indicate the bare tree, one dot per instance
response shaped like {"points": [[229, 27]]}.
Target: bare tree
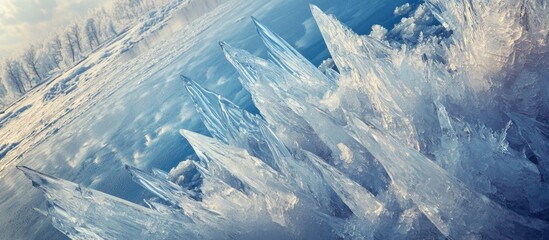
{"points": [[75, 29], [3, 92], [24, 72], [2, 87], [112, 29], [55, 51], [91, 33], [14, 75], [31, 60], [70, 46]]}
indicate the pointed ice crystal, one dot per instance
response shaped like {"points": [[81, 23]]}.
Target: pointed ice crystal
{"points": [[366, 62], [159, 173], [211, 111], [271, 80], [259, 177], [229, 123], [218, 201], [536, 135], [363, 204], [307, 75], [301, 175], [449, 141], [279, 152], [255, 70], [349, 155], [163, 188], [82, 213], [265, 81], [454, 209], [474, 155], [482, 42], [284, 202]]}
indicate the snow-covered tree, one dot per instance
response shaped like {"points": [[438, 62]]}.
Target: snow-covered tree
{"points": [[71, 47], [67, 46], [55, 51], [77, 38], [15, 75], [30, 59], [91, 33]]}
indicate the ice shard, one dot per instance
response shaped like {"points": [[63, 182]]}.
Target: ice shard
{"points": [[454, 209], [259, 177], [536, 135], [301, 174], [278, 150], [345, 152], [363, 204], [163, 188], [229, 123], [257, 77], [308, 77], [482, 159], [270, 191], [82, 213], [368, 64], [211, 212], [159, 173], [449, 141], [480, 38]]}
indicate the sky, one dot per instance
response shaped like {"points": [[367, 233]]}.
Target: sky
{"points": [[23, 22]]}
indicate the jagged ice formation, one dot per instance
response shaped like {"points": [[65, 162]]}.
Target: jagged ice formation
{"points": [[435, 129]]}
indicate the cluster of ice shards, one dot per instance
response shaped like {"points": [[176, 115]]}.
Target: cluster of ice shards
{"points": [[416, 135]]}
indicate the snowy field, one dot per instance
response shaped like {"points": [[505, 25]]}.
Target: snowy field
{"points": [[125, 103]]}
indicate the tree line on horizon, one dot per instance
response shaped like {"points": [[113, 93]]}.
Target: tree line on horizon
{"points": [[45, 59]]}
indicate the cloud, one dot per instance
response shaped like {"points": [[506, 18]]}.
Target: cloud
{"points": [[27, 11]]}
